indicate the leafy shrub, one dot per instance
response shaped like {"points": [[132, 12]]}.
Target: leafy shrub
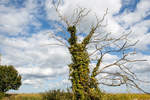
{"points": [[57, 95]]}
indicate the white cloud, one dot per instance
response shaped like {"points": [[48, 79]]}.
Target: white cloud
{"points": [[140, 32], [135, 21], [141, 66], [97, 7], [36, 83], [31, 82], [34, 49], [34, 58], [16, 21], [130, 18]]}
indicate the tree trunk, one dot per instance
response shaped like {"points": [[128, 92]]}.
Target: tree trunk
{"points": [[84, 86]]}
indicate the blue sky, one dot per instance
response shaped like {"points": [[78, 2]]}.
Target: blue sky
{"points": [[26, 26]]}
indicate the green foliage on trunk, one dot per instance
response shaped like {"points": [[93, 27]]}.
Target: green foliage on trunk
{"points": [[84, 86]]}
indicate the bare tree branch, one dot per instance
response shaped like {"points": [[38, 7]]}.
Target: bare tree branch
{"points": [[63, 18], [59, 39], [81, 13], [93, 29]]}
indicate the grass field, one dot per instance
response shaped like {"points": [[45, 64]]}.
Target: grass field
{"points": [[105, 97], [23, 97], [126, 97]]}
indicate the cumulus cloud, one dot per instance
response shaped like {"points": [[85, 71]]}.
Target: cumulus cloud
{"points": [[131, 18], [16, 21], [34, 58], [135, 22]]}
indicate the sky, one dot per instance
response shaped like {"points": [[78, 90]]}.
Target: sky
{"points": [[26, 26]]}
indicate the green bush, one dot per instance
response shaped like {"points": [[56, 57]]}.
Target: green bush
{"points": [[56, 95]]}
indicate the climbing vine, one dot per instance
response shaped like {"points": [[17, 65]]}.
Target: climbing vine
{"points": [[84, 86]]}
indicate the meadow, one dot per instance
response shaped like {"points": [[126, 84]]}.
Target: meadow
{"points": [[60, 95]]}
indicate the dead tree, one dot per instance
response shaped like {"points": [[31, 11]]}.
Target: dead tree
{"points": [[85, 84]]}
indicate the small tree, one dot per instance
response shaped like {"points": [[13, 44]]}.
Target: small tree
{"points": [[85, 85], [9, 78]]}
